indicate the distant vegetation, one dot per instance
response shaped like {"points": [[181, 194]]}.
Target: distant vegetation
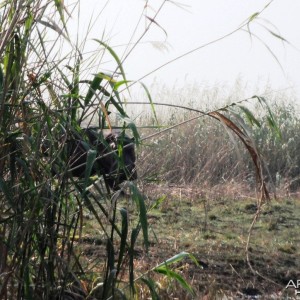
{"points": [[204, 152]]}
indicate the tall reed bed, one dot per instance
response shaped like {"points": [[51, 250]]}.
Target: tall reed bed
{"points": [[203, 152], [46, 96]]}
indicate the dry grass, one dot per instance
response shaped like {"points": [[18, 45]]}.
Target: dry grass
{"points": [[203, 153], [213, 225]]}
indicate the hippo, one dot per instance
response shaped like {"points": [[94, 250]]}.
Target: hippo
{"points": [[116, 164]]}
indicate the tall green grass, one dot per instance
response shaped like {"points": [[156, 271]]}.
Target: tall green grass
{"points": [[41, 100], [46, 96]]}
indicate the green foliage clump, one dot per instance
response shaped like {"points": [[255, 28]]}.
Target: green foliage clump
{"points": [[44, 102]]}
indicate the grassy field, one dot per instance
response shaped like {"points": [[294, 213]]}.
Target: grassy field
{"points": [[214, 227]]}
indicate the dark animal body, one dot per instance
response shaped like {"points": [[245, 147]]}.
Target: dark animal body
{"points": [[114, 159]]}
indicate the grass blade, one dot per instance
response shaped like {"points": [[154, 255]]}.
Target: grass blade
{"points": [[270, 118], [249, 115], [94, 86], [114, 55], [151, 285], [124, 233], [177, 258], [173, 275], [134, 235], [91, 156], [249, 146], [150, 101], [139, 200]]}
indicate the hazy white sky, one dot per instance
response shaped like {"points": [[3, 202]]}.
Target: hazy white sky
{"points": [[187, 24]]}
